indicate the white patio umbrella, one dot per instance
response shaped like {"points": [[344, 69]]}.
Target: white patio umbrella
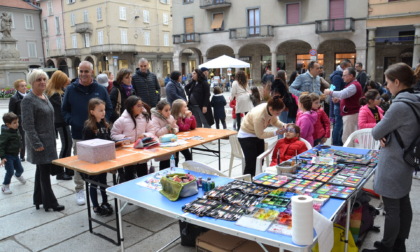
{"points": [[225, 62]]}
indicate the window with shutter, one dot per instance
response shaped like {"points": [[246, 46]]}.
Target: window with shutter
{"points": [[146, 37], [254, 21], [217, 23], [124, 37], [166, 39], [100, 37], [50, 8], [29, 22], [337, 12], [85, 16], [72, 19], [74, 41], [87, 40], [99, 13], [293, 13], [57, 25], [146, 16], [31, 49], [189, 25], [165, 18], [123, 13]]}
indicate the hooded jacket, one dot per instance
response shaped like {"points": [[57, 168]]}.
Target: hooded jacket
{"points": [[147, 87], [9, 141], [218, 102], [124, 127], [336, 78], [75, 104], [393, 176], [366, 118], [322, 124], [288, 149], [306, 122], [162, 125]]}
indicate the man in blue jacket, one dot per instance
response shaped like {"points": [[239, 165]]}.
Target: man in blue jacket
{"points": [[75, 111], [308, 82]]}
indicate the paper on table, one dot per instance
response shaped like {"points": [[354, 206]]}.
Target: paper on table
{"points": [[173, 144], [324, 230]]}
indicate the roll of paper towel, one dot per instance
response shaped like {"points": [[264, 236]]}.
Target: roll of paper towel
{"points": [[302, 220]]}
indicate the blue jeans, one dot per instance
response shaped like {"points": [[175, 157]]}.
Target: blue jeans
{"points": [[13, 164], [338, 126]]}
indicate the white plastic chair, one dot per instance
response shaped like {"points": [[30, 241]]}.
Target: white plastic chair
{"points": [[235, 152], [265, 154], [199, 167], [362, 139]]}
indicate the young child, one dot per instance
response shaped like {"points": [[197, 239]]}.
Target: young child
{"points": [[288, 147], [307, 119], [232, 104], [218, 102], [134, 123], [370, 113], [9, 151], [255, 96], [322, 125], [185, 120], [97, 127], [163, 123]]}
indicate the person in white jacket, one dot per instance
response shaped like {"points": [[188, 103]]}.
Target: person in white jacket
{"points": [[241, 92], [134, 123]]}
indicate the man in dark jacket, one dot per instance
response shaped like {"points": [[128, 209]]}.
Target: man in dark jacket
{"points": [[336, 79], [146, 84], [361, 74], [74, 109]]}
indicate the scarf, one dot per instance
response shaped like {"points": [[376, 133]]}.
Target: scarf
{"points": [[127, 89]]}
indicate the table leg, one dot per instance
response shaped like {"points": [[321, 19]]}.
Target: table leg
{"points": [[346, 232], [117, 213], [88, 206], [119, 224], [218, 152]]}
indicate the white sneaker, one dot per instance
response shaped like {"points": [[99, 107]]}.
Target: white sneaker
{"points": [[21, 179], [80, 198], [6, 189], [416, 175]]}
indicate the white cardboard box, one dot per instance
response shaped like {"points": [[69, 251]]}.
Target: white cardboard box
{"points": [[96, 150]]}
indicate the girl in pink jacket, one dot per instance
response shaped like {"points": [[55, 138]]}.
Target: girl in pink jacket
{"points": [[370, 113], [186, 122], [163, 123], [307, 119], [134, 123]]}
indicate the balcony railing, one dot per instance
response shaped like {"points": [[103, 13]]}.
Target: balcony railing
{"points": [[126, 48], [85, 27], [251, 31], [334, 25], [186, 38], [212, 4]]}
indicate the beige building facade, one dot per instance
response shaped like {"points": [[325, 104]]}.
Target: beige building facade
{"points": [[393, 35], [116, 34], [270, 34]]}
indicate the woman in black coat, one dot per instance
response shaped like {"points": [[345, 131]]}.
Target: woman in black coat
{"points": [[14, 106], [121, 90], [198, 91], [174, 90]]}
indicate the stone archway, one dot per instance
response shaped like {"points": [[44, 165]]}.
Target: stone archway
{"points": [[288, 51], [50, 64], [331, 47], [76, 63], [190, 59], [62, 66], [259, 56], [219, 50]]}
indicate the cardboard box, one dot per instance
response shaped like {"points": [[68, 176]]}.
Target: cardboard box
{"points": [[217, 242], [251, 246], [96, 150]]}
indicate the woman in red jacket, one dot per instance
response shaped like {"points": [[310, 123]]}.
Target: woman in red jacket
{"points": [[370, 113], [288, 147]]}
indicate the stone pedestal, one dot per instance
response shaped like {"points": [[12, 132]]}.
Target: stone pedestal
{"points": [[11, 68]]}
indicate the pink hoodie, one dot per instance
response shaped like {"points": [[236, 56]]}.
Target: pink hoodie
{"points": [[306, 122], [366, 118]]}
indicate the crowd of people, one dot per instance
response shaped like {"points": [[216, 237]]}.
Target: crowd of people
{"points": [[128, 108]]}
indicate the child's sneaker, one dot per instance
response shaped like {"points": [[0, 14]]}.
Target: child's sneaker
{"points": [[6, 189], [21, 179]]}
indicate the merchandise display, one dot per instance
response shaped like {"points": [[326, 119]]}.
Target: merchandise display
{"points": [[272, 180]]}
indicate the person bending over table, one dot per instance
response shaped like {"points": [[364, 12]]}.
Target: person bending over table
{"points": [[251, 134], [393, 176]]}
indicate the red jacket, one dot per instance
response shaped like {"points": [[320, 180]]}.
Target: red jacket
{"points": [[366, 118], [322, 124], [232, 104], [186, 124], [288, 149]]}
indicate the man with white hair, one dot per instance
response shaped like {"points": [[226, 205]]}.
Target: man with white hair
{"points": [[146, 84], [75, 111]]}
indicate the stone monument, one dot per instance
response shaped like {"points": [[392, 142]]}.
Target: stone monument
{"points": [[11, 68]]}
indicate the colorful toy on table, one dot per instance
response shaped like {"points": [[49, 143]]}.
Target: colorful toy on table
{"points": [[302, 186], [272, 180], [168, 138], [336, 191]]}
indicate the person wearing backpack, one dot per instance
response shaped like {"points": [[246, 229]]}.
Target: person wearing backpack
{"points": [[120, 91], [393, 175]]}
